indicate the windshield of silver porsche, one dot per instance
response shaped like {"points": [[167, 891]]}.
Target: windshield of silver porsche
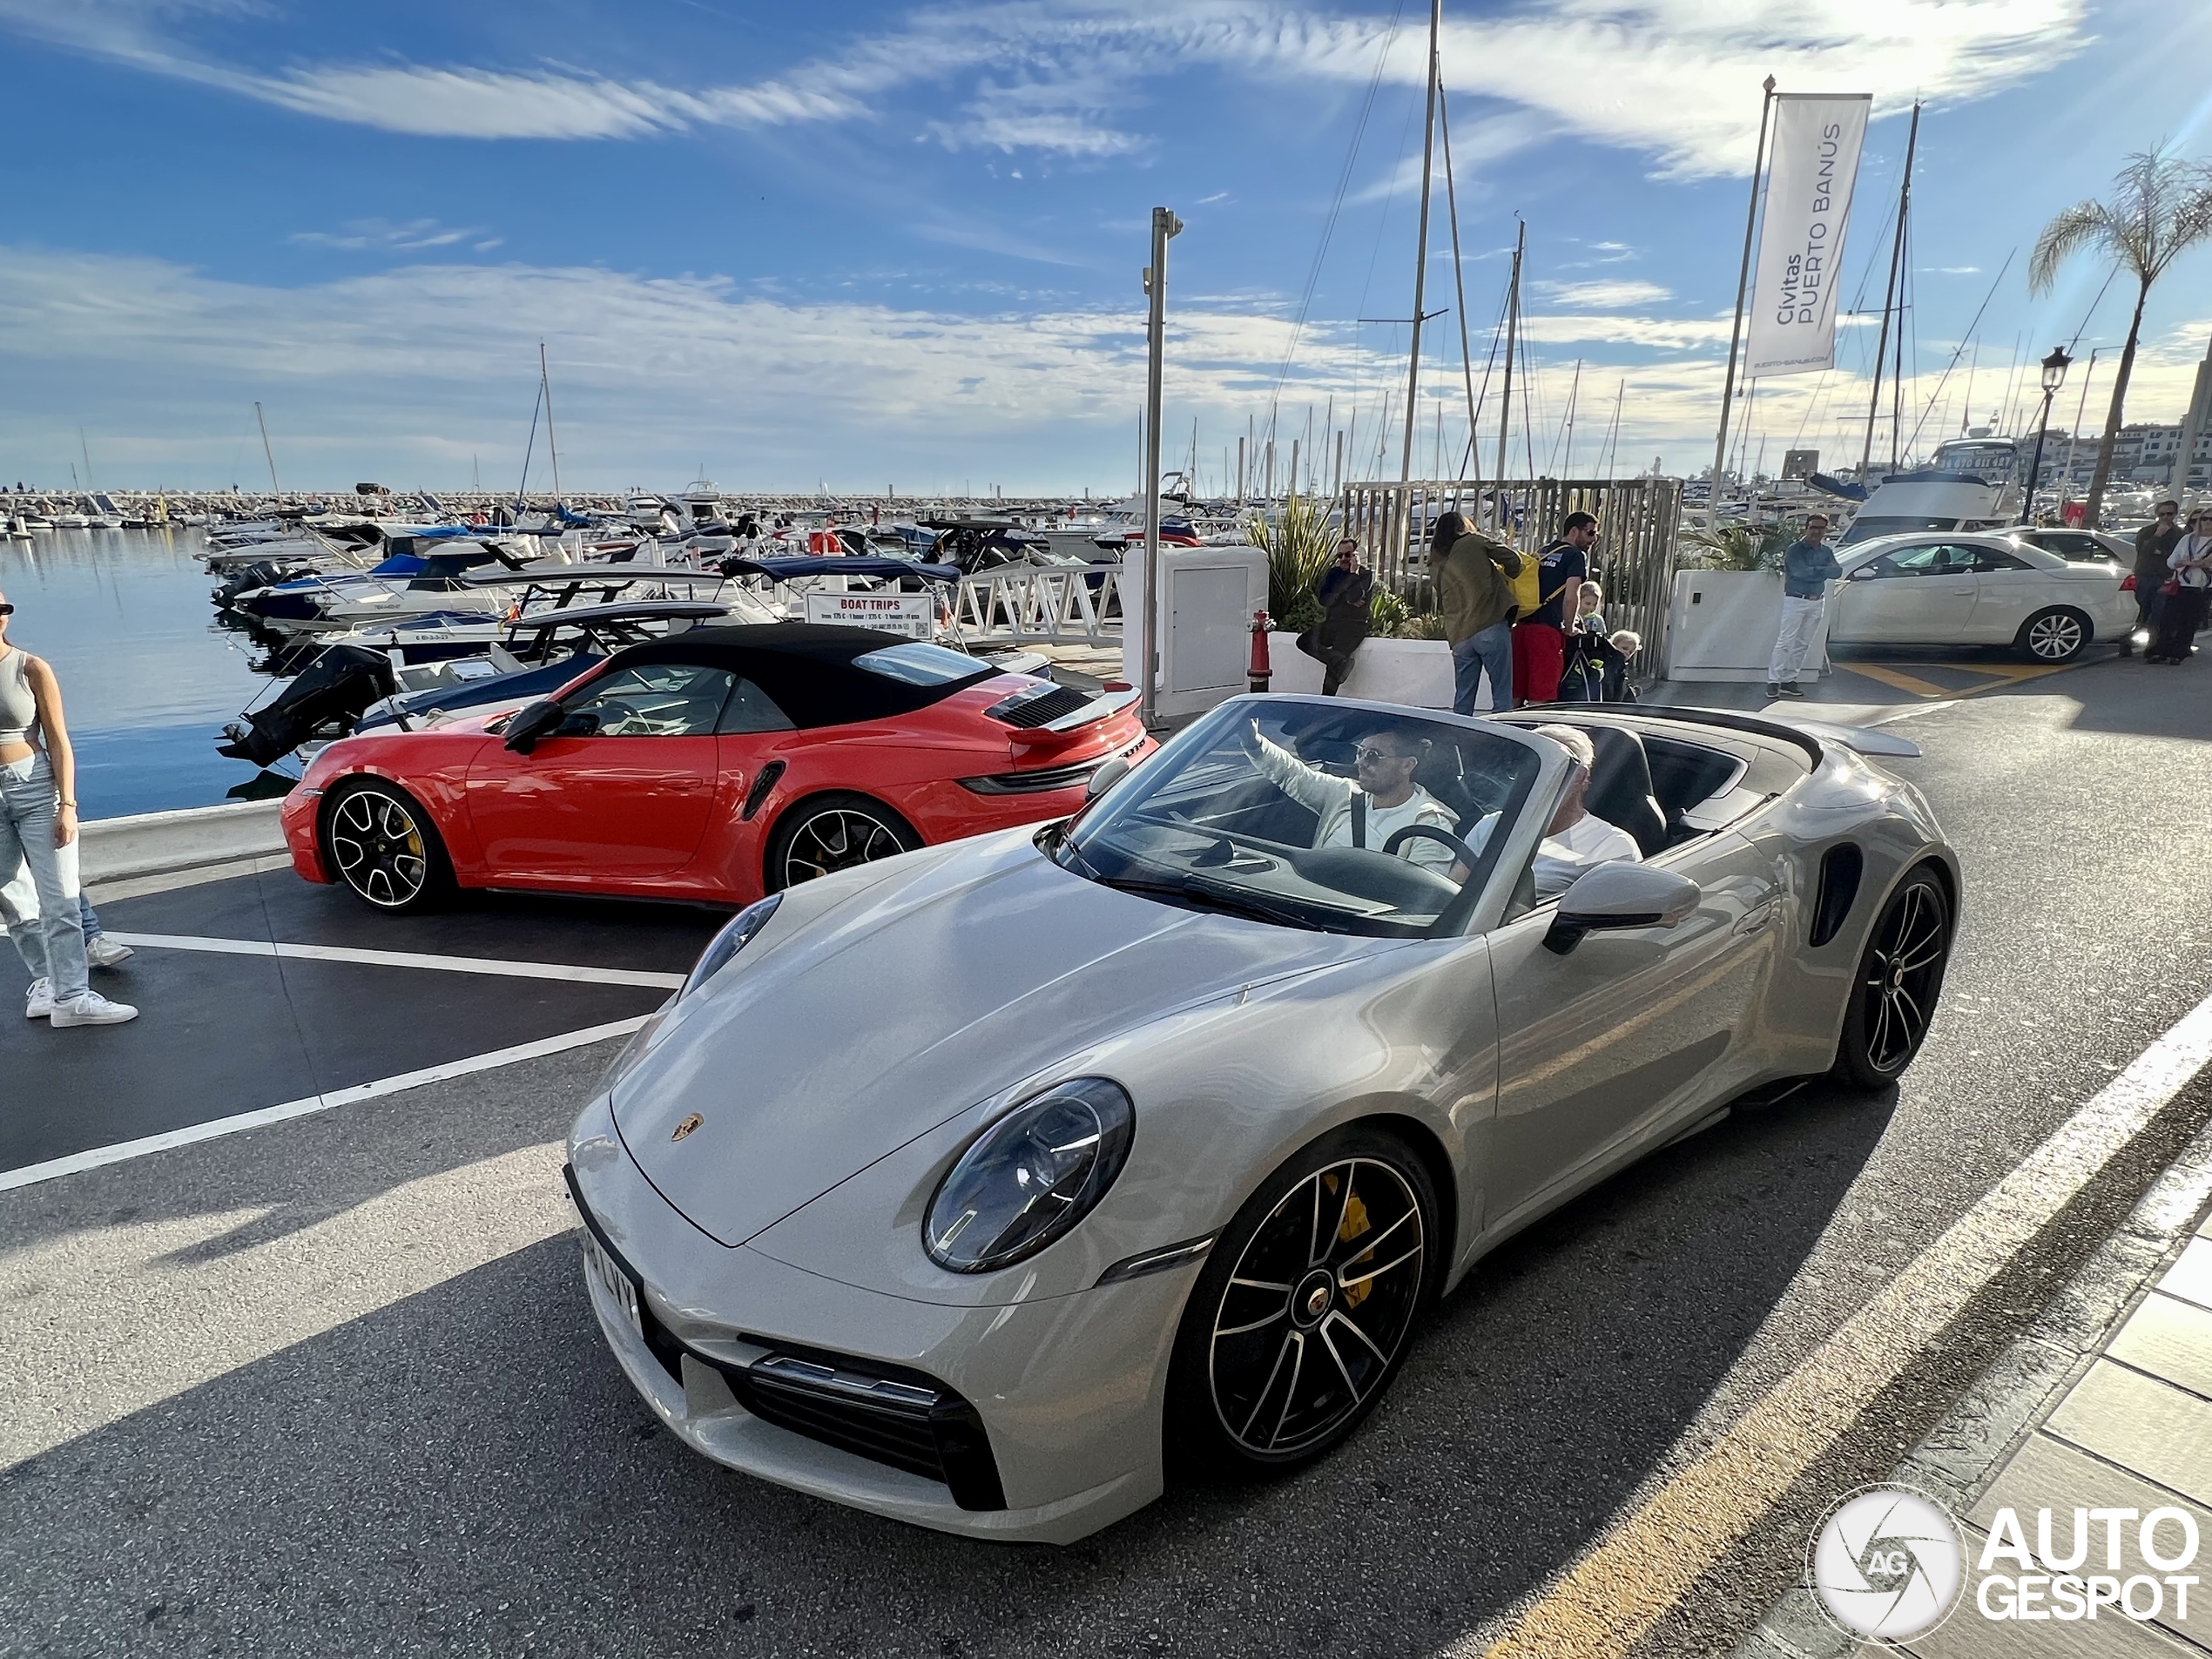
{"points": [[1325, 816]]}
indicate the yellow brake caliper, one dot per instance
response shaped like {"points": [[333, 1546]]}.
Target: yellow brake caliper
{"points": [[1354, 1224]]}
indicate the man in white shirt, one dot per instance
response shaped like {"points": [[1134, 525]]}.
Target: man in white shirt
{"points": [[1576, 840], [1367, 809]]}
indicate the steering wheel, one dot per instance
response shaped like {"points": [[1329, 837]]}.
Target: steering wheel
{"points": [[1414, 832]]}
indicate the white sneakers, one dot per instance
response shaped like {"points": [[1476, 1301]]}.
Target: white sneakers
{"points": [[100, 951], [92, 1008]]}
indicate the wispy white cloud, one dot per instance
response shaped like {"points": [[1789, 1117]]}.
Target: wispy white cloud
{"points": [[1602, 295], [1673, 79], [415, 236]]}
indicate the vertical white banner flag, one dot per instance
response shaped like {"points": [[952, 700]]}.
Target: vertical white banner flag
{"points": [[1811, 171]]}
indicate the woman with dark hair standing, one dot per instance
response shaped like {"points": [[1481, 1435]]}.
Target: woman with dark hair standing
{"points": [[38, 829], [1474, 577], [2181, 603]]}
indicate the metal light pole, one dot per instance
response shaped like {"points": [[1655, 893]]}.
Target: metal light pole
{"points": [[1164, 225], [2055, 369]]}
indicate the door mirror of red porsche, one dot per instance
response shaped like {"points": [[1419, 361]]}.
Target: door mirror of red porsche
{"points": [[530, 723], [1622, 894], [1105, 778]]}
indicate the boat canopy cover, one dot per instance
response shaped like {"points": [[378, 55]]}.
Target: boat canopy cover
{"points": [[400, 564], [788, 568], [634, 610], [813, 670]]}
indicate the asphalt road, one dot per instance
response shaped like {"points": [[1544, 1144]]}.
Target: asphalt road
{"points": [[333, 1385]]}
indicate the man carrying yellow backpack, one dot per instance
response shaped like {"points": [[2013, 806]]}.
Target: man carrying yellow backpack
{"points": [[1547, 594]]}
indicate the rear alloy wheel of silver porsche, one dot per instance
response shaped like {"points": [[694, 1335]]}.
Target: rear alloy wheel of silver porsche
{"points": [[1901, 976], [834, 833], [1305, 1309]]}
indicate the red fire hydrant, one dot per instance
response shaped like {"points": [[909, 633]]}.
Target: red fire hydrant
{"points": [[1262, 672]]}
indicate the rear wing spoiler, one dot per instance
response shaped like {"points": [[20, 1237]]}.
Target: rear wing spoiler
{"points": [[1104, 706]]}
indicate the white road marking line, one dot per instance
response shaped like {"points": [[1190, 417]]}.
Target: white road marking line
{"points": [[1649, 1558], [406, 959], [31, 1174]]}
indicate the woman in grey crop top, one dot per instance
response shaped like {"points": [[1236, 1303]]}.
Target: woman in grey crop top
{"points": [[38, 844]]}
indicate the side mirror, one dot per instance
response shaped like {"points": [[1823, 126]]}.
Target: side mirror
{"points": [[1105, 778], [1622, 894], [1864, 573], [530, 723]]}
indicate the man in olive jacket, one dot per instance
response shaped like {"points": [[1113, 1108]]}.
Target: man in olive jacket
{"points": [[1475, 576]]}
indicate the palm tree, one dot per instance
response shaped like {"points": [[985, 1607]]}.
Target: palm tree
{"points": [[2161, 207]]}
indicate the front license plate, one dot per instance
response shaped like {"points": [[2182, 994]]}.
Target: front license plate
{"points": [[600, 1267]]}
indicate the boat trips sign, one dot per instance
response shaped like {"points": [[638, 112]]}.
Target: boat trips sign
{"points": [[911, 614], [1810, 175]]}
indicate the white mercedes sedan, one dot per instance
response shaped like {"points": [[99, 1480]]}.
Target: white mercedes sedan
{"points": [[1942, 588]]}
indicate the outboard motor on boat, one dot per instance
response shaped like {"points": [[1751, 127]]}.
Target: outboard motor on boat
{"points": [[331, 691]]}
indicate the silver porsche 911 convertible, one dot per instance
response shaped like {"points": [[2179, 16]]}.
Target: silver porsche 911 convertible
{"points": [[988, 1186]]}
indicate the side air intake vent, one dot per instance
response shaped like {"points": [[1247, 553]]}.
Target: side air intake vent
{"points": [[1840, 869]]}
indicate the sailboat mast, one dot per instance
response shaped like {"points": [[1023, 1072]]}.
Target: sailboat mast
{"points": [[1420, 252], [269, 454], [1513, 330], [545, 388], [1459, 275], [1889, 295]]}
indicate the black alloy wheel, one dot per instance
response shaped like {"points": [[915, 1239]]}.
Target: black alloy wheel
{"points": [[833, 832], [1899, 979], [1305, 1307], [381, 844], [2054, 636]]}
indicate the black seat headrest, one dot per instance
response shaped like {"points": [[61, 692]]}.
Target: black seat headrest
{"points": [[1621, 791]]}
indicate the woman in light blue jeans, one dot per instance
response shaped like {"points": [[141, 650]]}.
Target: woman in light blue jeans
{"points": [[38, 833]]}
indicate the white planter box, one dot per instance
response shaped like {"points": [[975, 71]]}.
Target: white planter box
{"points": [[1723, 624], [1416, 673]]}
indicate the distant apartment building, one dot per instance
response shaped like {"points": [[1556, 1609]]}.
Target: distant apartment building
{"points": [[2144, 453]]}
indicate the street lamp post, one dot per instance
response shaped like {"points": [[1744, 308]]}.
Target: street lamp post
{"points": [[2055, 369]]}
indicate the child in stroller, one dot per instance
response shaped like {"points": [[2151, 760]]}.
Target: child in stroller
{"points": [[1597, 667]]}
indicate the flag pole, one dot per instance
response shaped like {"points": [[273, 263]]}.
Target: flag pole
{"points": [[1736, 329]]}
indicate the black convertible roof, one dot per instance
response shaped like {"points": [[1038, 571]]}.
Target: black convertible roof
{"points": [[807, 668]]}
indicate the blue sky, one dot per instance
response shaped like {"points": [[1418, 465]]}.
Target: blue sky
{"points": [[887, 245]]}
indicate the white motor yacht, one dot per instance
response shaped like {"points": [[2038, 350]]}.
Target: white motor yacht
{"points": [[1971, 483]]}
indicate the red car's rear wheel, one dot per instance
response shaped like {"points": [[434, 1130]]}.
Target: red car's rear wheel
{"points": [[833, 832]]}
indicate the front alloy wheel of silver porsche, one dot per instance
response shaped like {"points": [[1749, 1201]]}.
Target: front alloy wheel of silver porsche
{"points": [[1307, 1303]]}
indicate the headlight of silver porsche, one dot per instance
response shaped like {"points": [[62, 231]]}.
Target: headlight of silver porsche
{"points": [[732, 939], [1030, 1177]]}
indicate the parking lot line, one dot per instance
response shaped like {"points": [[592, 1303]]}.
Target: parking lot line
{"points": [[31, 1174], [406, 959], [1887, 676], [1649, 1558]]}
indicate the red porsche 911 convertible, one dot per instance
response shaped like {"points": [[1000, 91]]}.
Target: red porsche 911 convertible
{"points": [[717, 765]]}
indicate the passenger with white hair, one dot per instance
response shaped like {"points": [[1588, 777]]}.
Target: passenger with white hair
{"points": [[1577, 840]]}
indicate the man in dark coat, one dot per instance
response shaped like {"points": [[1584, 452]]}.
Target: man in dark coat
{"points": [[2154, 546], [1345, 592]]}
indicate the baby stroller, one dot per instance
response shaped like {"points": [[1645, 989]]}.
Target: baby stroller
{"points": [[1597, 667]]}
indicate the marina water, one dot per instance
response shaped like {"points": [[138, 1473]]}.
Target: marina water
{"points": [[148, 678]]}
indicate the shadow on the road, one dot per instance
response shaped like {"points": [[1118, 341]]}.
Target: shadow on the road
{"points": [[467, 1467]]}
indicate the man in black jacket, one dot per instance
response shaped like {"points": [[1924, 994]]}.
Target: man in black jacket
{"points": [[1345, 592], [2153, 546]]}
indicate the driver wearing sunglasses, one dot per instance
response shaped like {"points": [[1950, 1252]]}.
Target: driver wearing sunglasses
{"points": [[1369, 808]]}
